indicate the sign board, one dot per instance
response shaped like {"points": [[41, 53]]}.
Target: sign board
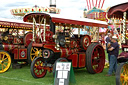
{"points": [[64, 73], [97, 14]]}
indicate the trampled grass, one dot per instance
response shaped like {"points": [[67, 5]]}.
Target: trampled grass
{"points": [[23, 77]]}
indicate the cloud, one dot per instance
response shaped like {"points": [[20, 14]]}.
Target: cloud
{"points": [[69, 8], [3, 9], [17, 4], [109, 3]]}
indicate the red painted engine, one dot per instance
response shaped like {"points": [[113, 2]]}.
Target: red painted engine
{"points": [[48, 36]]}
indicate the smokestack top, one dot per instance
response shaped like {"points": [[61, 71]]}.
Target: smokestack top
{"points": [[52, 3]]}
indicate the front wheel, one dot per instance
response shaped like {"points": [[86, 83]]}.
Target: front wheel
{"points": [[5, 61], [37, 70], [122, 74]]}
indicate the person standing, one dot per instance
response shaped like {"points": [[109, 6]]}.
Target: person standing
{"points": [[113, 51], [108, 42]]}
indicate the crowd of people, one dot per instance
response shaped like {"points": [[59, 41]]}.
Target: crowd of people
{"points": [[112, 48]]}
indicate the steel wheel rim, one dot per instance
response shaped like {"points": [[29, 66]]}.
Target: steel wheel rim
{"points": [[98, 59], [5, 61], [35, 52], [124, 75], [38, 68]]}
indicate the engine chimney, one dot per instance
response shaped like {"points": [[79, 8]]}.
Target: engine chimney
{"points": [[52, 3]]}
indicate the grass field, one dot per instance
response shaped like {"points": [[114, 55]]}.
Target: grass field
{"points": [[23, 77]]}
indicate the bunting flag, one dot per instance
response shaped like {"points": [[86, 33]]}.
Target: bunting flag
{"points": [[102, 4], [87, 4], [97, 4], [90, 4]]}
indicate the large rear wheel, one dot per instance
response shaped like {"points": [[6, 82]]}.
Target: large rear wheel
{"points": [[5, 61], [122, 74], [37, 70], [95, 58]]}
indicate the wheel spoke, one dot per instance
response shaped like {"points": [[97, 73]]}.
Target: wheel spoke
{"points": [[94, 62], [33, 58], [6, 61], [35, 64], [38, 72], [4, 65], [32, 53], [123, 83], [96, 51], [35, 67], [33, 50], [5, 58], [0, 57], [122, 78], [95, 67], [36, 49], [42, 70], [40, 50], [40, 63], [35, 70], [124, 69]]}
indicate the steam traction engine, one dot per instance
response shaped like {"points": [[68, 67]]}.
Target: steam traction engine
{"points": [[14, 47], [63, 45]]}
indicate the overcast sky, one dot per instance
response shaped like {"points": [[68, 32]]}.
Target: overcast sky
{"points": [[70, 8]]}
